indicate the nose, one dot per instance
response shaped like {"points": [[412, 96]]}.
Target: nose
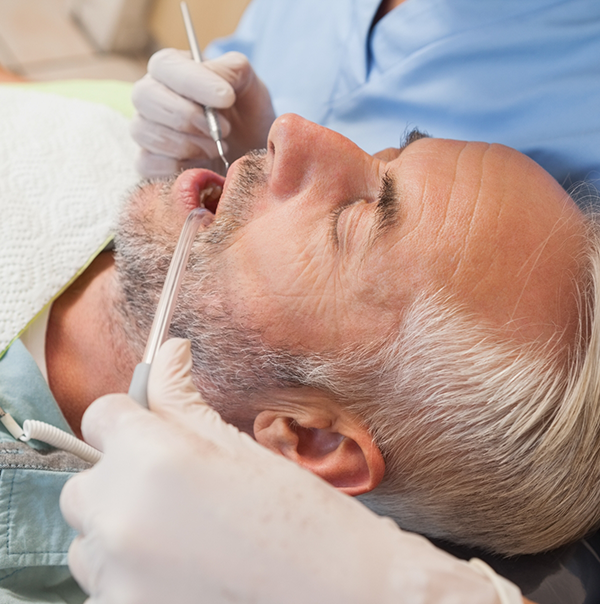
{"points": [[302, 153]]}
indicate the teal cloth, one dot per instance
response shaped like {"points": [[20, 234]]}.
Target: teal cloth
{"points": [[34, 538]]}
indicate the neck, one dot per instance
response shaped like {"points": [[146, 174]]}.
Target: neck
{"points": [[85, 352]]}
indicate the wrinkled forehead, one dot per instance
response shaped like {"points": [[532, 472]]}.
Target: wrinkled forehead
{"points": [[465, 158], [489, 226], [484, 183]]}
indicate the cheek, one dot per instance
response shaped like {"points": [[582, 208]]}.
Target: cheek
{"points": [[150, 211], [382, 289], [284, 281], [142, 205]]}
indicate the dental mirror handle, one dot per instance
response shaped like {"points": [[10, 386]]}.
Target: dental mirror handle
{"points": [[138, 387], [211, 116]]}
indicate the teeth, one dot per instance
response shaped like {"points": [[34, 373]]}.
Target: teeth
{"points": [[216, 192], [213, 193], [203, 195]]}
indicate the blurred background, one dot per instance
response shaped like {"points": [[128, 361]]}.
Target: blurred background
{"points": [[102, 39]]}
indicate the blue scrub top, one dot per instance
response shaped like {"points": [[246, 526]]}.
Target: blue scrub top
{"points": [[522, 73]]}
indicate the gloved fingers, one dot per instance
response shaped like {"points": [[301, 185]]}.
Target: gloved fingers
{"points": [[74, 501], [235, 68], [158, 103], [163, 141], [171, 391], [508, 592], [153, 165], [100, 574], [87, 568], [179, 72], [106, 415], [172, 395], [202, 125], [79, 564], [170, 381]]}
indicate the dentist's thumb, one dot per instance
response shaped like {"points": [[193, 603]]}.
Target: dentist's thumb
{"points": [[170, 386], [172, 393]]}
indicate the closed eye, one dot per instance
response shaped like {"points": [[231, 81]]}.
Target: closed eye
{"points": [[335, 216], [386, 210]]}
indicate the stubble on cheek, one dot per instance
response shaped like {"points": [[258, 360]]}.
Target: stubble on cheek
{"points": [[145, 241], [151, 208]]}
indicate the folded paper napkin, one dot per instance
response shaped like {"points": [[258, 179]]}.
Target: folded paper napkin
{"points": [[65, 167]]}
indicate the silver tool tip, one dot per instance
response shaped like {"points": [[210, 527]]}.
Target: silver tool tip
{"points": [[222, 154]]}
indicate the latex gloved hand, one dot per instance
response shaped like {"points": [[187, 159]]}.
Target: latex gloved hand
{"points": [[183, 508], [170, 125]]}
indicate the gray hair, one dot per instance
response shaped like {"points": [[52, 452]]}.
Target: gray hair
{"points": [[487, 442]]}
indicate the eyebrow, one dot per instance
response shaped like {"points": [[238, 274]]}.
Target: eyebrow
{"points": [[388, 206], [388, 203]]}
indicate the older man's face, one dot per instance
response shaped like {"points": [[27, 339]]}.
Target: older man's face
{"points": [[330, 244], [317, 251]]}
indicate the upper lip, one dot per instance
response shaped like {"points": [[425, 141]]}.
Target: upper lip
{"points": [[198, 188]]}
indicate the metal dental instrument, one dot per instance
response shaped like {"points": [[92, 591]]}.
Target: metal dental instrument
{"points": [[138, 388], [209, 112]]}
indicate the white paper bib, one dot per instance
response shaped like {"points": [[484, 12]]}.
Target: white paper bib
{"points": [[65, 167]]}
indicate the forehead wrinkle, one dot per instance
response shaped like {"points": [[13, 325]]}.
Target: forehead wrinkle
{"points": [[444, 220], [421, 215], [468, 235], [535, 255], [501, 209]]}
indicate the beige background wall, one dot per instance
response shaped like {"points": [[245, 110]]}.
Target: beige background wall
{"points": [[212, 19]]}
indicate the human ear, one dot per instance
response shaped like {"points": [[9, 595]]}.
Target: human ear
{"points": [[345, 455]]}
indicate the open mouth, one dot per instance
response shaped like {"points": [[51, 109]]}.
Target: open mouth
{"points": [[209, 186], [198, 188], [209, 198]]}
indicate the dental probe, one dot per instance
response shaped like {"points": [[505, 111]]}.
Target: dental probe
{"points": [[138, 388], [209, 112]]}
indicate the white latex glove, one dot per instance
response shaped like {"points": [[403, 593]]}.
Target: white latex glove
{"points": [[170, 125], [183, 508]]}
